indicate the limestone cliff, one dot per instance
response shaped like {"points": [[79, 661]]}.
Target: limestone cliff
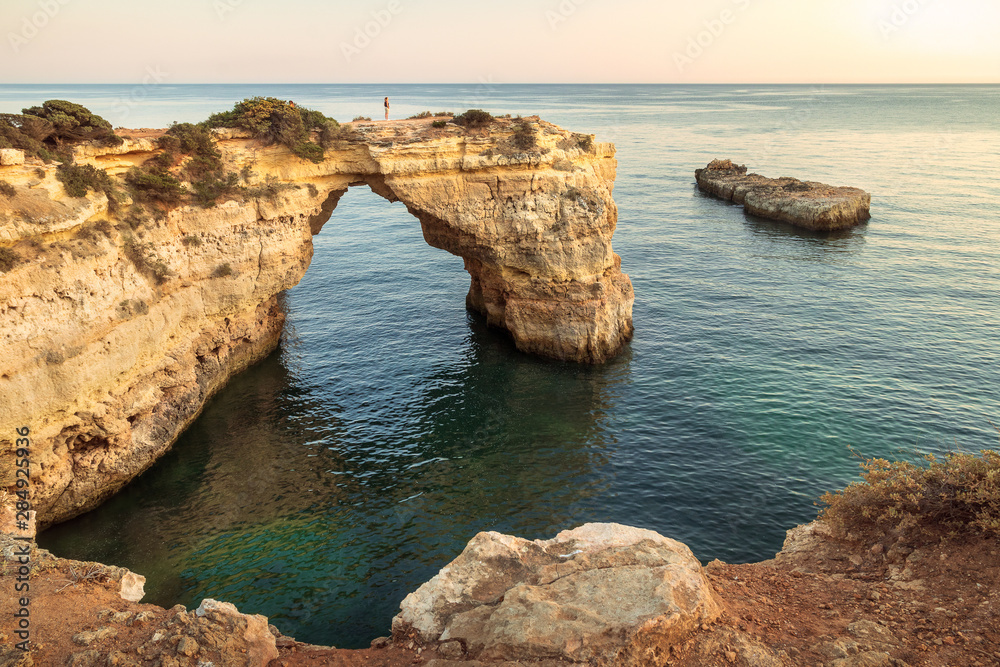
{"points": [[116, 331]]}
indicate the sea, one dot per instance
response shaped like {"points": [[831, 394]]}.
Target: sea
{"points": [[323, 485]]}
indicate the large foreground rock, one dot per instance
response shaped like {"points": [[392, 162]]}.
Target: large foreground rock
{"points": [[215, 633], [802, 203], [605, 594]]}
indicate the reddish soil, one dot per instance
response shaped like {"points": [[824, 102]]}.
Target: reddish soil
{"points": [[61, 608], [940, 613], [390, 656]]}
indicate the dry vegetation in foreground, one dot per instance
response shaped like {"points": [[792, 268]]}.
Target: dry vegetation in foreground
{"points": [[949, 497]]}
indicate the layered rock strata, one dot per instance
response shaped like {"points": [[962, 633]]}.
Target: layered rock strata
{"points": [[599, 594], [117, 330], [802, 203]]}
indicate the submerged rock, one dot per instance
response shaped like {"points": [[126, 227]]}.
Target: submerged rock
{"points": [[802, 203], [601, 593]]}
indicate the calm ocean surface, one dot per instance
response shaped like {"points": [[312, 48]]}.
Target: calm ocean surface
{"points": [[326, 483]]}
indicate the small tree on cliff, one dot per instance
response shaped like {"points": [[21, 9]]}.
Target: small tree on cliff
{"points": [[67, 121], [279, 122], [41, 131], [474, 118]]}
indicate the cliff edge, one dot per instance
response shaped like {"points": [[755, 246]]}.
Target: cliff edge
{"points": [[618, 596]]}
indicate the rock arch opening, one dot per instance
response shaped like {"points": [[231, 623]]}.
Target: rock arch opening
{"points": [[537, 250]]}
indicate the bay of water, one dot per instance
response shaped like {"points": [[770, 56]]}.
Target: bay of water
{"points": [[323, 485]]}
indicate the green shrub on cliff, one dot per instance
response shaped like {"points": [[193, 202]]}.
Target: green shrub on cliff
{"points": [[428, 114], [41, 131], [70, 122], [957, 494], [269, 189], [280, 122], [524, 137], [190, 139], [474, 118], [198, 142], [145, 260], [309, 151], [210, 188], [155, 182], [155, 186], [6, 189], [204, 169], [78, 180], [200, 167], [13, 134]]}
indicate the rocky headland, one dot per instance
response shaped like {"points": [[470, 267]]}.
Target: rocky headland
{"points": [[118, 326], [805, 204]]}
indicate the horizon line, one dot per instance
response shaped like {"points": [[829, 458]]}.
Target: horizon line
{"points": [[516, 83]]}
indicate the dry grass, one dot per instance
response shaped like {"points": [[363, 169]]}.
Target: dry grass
{"points": [[92, 572], [958, 494]]}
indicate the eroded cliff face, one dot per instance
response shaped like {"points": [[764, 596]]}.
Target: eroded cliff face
{"points": [[116, 331]]}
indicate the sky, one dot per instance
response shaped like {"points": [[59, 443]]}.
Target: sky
{"points": [[508, 41]]}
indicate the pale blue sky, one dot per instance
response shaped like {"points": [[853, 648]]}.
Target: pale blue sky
{"points": [[413, 41]]}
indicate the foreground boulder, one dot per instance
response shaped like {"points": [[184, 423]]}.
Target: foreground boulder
{"points": [[215, 633], [802, 203], [605, 594]]}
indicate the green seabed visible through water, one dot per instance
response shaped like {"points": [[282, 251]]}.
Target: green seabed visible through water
{"points": [[295, 513], [323, 485]]}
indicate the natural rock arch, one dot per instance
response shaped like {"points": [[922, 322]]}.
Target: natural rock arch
{"points": [[538, 254], [108, 363]]}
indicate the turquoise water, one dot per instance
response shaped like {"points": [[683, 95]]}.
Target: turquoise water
{"points": [[324, 484]]}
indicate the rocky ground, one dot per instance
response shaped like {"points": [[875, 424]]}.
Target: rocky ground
{"points": [[821, 602], [831, 603]]}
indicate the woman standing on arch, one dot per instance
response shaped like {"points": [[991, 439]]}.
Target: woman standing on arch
{"points": [[387, 108]]}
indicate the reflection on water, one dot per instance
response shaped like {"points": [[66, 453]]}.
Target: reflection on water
{"points": [[269, 501], [809, 244], [792, 242]]}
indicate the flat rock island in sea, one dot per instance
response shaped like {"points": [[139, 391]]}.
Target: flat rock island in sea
{"points": [[806, 204]]}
